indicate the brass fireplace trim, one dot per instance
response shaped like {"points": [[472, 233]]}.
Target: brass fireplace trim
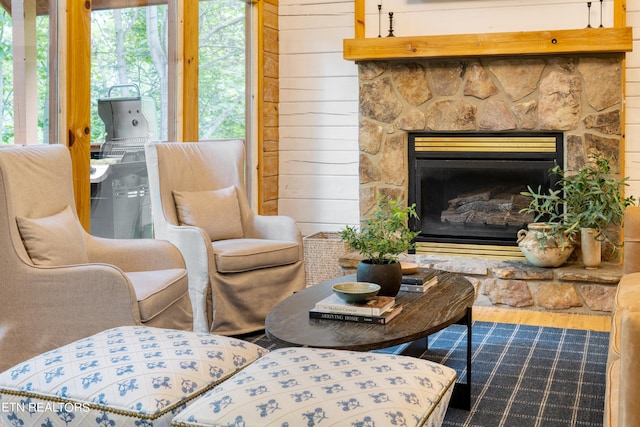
{"points": [[486, 144], [469, 250]]}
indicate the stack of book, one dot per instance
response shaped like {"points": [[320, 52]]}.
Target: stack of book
{"points": [[380, 310], [419, 281]]}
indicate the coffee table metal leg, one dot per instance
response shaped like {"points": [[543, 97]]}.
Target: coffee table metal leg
{"points": [[461, 397]]}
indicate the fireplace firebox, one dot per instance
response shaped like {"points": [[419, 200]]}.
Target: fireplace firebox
{"points": [[466, 187]]}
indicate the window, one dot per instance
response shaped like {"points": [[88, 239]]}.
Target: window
{"points": [[130, 101], [6, 78], [222, 81], [129, 60], [129, 92], [7, 88], [133, 55]]}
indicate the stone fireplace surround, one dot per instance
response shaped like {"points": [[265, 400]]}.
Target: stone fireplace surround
{"points": [[580, 95]]}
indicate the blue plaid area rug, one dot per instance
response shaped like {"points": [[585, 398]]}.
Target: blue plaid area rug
{"points": [[526, 375], [521, 375]]}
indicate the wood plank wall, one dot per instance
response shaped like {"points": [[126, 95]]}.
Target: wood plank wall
{"points": [[632, 101], [318, 116], [318, 183], [484, 16]]}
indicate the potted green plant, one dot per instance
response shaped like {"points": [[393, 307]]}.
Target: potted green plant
{"points": [[546, 243], [383, 236], [588, 202]]}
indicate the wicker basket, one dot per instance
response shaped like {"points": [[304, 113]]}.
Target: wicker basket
{"points": [[322, 252]]}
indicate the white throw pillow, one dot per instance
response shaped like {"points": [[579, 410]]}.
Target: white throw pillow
{"points": [[215, 211], [54, 240]]}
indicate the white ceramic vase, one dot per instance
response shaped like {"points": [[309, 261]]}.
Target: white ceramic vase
{"points": [[591, 248]]}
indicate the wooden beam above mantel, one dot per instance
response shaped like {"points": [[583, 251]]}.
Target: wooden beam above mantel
{"points": [[552, 42]]}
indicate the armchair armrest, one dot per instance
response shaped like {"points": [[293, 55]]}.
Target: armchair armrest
{"points": [[107, 295], [195, 245], [134, 254], [275, 227], [52, 306]]}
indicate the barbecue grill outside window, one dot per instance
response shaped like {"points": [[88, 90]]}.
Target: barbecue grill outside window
{"points": [[120, 204]]}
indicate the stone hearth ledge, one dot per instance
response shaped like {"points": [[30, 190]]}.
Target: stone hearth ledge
{"points": [[516, 284]]}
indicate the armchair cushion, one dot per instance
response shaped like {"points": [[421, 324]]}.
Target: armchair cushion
{"points": [[215, 211], [54, 240], [238, 255]]}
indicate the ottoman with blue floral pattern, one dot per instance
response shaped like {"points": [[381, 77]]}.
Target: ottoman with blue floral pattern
{"points": [[128, 376], [319, 387]]}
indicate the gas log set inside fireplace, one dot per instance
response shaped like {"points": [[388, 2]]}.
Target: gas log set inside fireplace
{"points": [[467, 186], [494, 206]]}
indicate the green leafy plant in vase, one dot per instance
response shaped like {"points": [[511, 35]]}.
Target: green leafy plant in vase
{"points": [[588, 202], [382, 237]]}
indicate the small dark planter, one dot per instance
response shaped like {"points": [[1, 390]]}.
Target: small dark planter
{"points": [[388, 276]]}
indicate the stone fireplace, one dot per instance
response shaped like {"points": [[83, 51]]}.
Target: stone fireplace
{"points": [[578, 96]]}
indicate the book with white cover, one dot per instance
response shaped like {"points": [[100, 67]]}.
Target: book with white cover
{"points": [[383, 319], [374, 307]]}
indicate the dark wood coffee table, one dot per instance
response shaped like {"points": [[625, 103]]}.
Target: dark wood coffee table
{"points": [[448, 302]]}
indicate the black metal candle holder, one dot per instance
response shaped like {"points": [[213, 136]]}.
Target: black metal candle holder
{"points": [[588, 14], [390, 25], [379, 20], [601, 14]]}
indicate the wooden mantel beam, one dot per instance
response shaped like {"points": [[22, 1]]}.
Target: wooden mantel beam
{"points": [[587, 40]]}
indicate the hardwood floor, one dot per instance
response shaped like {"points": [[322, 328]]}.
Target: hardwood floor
{"points": [[540, 318]]}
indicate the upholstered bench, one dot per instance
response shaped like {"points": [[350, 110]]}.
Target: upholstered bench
{"points": [[305, 386], [128, 376]]}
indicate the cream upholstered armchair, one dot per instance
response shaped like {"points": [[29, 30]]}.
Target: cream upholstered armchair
{"points": [[58, 283], [621, 406], [240, 264]]}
